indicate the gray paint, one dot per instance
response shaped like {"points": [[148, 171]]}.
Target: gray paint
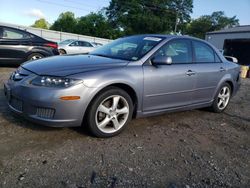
{"points": [[158, 89]]}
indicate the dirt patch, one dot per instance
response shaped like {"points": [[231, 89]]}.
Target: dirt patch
{"points": [[185, 149]]}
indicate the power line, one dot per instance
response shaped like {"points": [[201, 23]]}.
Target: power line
{"points": [[62, 5], [80, 3]]}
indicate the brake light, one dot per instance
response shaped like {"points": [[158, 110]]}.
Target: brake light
{"points": [[52, 45]]}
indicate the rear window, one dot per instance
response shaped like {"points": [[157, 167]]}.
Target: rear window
{"points": [[8, 33]]}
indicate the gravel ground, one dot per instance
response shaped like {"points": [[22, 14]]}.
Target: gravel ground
{"points": [[186, 149]]}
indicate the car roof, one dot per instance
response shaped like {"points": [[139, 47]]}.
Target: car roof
{"points": [[76, 40], [165, 36], [23, 30]]}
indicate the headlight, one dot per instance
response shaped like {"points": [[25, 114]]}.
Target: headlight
{"points": [[49, 81]]}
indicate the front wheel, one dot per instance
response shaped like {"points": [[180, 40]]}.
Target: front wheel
{"points": [[222, 98], [110, 112]]}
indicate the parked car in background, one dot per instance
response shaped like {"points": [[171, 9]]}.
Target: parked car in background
{"points": [[232, 59], [97, 44], [72, 46], [229, 58], [133, 76], [18, 46]]}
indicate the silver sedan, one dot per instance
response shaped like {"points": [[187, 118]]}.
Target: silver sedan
{"points": [[72, 46], [130, 77]]}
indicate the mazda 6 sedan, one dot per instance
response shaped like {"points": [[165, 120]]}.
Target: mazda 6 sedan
{"points": [[134, 76]]}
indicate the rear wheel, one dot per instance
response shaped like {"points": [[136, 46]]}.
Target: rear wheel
{"points": [[110, 112], [35, 56], [62, 51], [222, 98]]}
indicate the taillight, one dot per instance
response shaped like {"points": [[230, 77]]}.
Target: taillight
{"points": [[52, 45]]}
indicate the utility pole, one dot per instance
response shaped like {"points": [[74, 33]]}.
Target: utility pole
{"points": [[176, 22]]}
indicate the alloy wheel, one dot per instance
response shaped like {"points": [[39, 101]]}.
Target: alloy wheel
{"points": [[223, 97], [112, 114], [36, 57]]}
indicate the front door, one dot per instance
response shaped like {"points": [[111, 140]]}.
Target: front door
{"points": [[170, 86]]}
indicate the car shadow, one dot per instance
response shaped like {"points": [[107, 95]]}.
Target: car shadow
{"points": [[238, 117], [19, 121], [9, 66]]}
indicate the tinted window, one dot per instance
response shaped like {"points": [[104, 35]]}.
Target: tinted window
{"points": [[9, 33], [66, 41], [203, 53], [179, 51], [85, 44]]}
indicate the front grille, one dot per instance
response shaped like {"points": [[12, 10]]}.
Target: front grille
{"points": [[16, 104], [46, 113]]}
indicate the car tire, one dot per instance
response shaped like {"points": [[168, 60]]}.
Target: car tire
{"points": [[62, 51], [222, 98], [35, 56], [109, 112]]}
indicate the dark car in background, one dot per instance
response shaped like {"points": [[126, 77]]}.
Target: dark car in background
{"points": [[18, 46]]}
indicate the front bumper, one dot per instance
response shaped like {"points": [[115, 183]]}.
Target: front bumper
{"points": [[43, 105]]}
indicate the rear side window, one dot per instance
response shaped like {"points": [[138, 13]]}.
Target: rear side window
{"points": [[85, 44], [203, 53], [9, 33]]}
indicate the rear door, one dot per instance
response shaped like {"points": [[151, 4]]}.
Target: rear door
{"points": [[14, 44], [170, 86], [209, 70]]}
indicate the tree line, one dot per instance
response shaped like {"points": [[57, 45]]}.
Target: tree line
{"points": [[129, 17]]}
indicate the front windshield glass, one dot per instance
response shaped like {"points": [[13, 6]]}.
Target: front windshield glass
{"points": [[66, 41], [129, 48]]}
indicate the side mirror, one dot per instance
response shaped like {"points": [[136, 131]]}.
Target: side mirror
{"points": [[162, 60]]}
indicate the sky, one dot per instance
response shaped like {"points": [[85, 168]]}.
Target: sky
{"points": [[25, 12]]}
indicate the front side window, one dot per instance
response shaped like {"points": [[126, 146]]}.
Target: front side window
{"points": [[68, 41], [9, 33], [76, 43], [203, 53], [129, 48], [179, 50]]}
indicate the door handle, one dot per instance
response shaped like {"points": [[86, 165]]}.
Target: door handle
{"points": [[222, 69], [190, 73]]}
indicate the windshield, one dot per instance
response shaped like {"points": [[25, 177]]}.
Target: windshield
{"points": [[66, 41], [130, 48]]}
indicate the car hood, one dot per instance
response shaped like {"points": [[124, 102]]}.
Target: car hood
{"points": [[71, 64]]}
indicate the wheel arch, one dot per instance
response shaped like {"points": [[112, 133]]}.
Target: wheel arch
{"points": [[226, 79], [231, 85], [125, 87], [34, 51], [63, 49]]}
